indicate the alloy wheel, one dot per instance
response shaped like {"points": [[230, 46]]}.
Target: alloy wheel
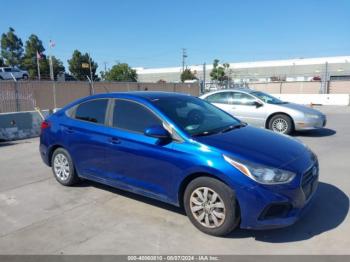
{"points": [[207, 207], [280, 125], [61, 167]]}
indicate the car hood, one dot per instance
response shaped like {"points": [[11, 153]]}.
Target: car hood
{"points": [[301, 108], [261, 146]]}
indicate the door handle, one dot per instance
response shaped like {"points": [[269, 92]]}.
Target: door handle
{"points": [[115, 140], [69, 130]]}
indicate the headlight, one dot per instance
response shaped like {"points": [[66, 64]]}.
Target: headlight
{"points": [[311, 116], [262, 174]]}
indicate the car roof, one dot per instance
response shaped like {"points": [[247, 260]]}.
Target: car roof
{"points": [[240, 89], [148, 95]]}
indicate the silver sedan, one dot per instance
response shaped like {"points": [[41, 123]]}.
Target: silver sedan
{"points": [[263, 110]]}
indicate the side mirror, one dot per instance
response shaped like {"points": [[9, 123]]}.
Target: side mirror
{"points": [[157, 132], [258, 104]]}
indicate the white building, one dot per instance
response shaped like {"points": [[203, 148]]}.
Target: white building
{"points": [[301, 69]]}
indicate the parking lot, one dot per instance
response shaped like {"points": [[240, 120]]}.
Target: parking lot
{"points": [[39, 216]]}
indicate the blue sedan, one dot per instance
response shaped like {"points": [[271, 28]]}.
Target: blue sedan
{"points": [[184, 151]]}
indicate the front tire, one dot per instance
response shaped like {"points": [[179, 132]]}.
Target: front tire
{"points": [[63, 167], [211, 206], [281, 124]]}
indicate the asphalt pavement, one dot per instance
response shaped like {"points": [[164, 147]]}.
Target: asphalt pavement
{"points": [[39, 216]]}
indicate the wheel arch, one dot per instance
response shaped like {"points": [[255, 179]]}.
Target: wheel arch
{"points": [[51, 150], [195, 175]]}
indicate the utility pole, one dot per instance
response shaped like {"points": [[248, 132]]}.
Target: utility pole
{"points": [[52, 75], [184, 56], [38, 57], [325, 80], [204, 77]]}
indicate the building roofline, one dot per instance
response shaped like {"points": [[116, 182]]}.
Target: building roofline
{"points": [[255, 64]]}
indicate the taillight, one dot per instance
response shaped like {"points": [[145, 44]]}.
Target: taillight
{"points": [[45, 124]]}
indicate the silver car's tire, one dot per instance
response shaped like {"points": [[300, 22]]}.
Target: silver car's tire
{"points": [[211, 206], [281, 124], [63, 167]]}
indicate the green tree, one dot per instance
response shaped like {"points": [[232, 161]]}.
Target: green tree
{"points": [[29, 62], [57, 66], [121, 72], [187, 74], [1, 61], [78, 66], [11, 48], [220, 73]]}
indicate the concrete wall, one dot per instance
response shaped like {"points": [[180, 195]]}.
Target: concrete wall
{"points": [[20, 125]]}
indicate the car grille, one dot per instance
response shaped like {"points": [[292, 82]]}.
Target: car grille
{"points": [[309, 181]]}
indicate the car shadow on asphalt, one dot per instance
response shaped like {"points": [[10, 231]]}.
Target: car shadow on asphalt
{"points": [[140, 198], [315, 133], [328, 210], [4, 143]]}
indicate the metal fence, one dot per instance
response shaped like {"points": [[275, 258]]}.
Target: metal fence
{"points": [[288, 87], [25, 95]]}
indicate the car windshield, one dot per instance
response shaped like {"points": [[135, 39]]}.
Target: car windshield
{"points": [[195, 116], [268, 98]]}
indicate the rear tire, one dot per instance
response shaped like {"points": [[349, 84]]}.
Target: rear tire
{"points": [[281, 124], [25, 77], [211, 206], [63, 167]]}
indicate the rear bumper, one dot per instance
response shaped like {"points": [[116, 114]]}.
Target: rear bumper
{"points": [[44, 153]]}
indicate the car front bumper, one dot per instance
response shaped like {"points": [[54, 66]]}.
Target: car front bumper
{"points": [[276, 206], [310, 123]]}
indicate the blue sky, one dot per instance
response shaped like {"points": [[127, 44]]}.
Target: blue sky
{"points": [[151, 33]]}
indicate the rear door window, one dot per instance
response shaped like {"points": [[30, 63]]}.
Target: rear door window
{"points": [[219, 98], [92, 111]]}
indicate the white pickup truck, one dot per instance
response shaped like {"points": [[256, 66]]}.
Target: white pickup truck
{"points": [[8, 73]]}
